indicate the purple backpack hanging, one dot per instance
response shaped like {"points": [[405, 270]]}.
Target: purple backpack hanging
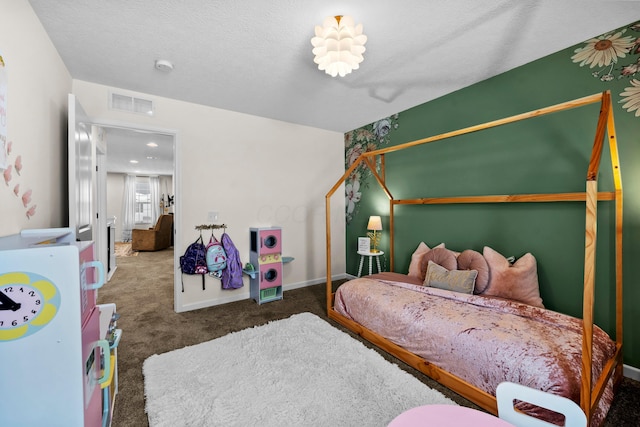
{"points": [[232, 275], [194, 260]]}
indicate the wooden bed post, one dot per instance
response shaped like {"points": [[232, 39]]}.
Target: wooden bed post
{"points": [[327, 213], [329, 286], [392, 238], [587, 303], [617, 181], [366, 158], [604, 123]]}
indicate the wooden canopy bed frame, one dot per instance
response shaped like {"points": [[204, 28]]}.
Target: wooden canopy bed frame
{"points": [[590, 390]]}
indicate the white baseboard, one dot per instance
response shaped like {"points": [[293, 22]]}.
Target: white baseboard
{"points": [[631, 372], [245, 295], [213, 302], [312, 282]]}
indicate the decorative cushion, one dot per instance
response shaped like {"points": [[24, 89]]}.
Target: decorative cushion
{"points": [[473, 260], [517, 282], [440, 256], [415, 267], [452, 280]]}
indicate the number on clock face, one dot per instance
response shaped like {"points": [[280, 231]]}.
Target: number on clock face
{"points": [[19, 305]]}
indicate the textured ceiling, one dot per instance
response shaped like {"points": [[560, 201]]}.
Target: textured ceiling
{"points": [[254, 56]]}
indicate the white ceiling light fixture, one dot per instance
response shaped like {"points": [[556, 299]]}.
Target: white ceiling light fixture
{"points": [[338, 45]]}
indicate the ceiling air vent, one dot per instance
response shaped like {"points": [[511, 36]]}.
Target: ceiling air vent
{"points": [[131, 104]]}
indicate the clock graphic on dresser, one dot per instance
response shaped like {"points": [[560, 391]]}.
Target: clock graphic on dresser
{"points": [[28, 303]]}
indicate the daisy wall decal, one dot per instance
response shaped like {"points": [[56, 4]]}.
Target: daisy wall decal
{"points": [[612, 57], [631, 98], [604, 51]]}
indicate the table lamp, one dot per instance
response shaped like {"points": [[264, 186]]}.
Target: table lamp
{"points": [[375, 224]]}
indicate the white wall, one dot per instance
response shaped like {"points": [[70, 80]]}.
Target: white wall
{"points": [[38, 84], [255, 172], [115, 189]]}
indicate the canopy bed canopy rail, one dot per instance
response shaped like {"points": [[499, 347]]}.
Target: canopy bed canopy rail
{"points": [[589, 393]]}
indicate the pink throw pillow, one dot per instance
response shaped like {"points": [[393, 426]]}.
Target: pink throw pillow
{"points": [[440, 256], [472, 260], [517, 282], [415, 266]]}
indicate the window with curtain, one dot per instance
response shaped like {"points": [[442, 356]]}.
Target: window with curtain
{"points": [[147, 200], [128, 207], [142, 212], [140, 203]]}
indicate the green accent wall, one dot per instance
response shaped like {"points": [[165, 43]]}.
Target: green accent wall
{"points": [[540, 155]]}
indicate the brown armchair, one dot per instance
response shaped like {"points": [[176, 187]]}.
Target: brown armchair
{"points": [[153, 239]]}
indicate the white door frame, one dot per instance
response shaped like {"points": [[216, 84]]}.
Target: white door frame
{"points": [[177, 186], [100, 199]]}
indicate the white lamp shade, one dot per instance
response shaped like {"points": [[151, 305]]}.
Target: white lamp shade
{"points": [[375, 223], [338, 45]]}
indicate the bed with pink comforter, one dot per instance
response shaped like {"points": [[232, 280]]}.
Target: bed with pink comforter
{"points": [[482, 340]]}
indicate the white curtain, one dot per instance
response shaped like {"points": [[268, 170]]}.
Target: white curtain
{"points": [[128, 207], [154, 187]]}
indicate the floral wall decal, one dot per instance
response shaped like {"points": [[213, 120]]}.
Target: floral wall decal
{"points": [[26, 198], [16, 166], [604, 51], [607, 52], [362, 140], [7, 167], [631, 97], [7, 174], [31, 211]]}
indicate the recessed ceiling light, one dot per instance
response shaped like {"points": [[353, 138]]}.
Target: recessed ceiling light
{"points": [[133, 161], [151, 158], [152, 144]]}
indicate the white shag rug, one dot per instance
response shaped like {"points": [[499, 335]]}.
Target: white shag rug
{"points": [[299, 371]]}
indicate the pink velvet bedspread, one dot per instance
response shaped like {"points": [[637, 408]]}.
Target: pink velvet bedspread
{"points": [[482, 340]]}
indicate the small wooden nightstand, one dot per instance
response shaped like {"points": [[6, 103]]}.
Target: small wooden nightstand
{"points": [[370, 255]]}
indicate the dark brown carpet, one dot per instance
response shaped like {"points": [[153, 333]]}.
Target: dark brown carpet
{"points": [[142, 288]]}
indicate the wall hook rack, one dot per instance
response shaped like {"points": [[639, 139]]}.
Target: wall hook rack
{"points": [[210, 226]]}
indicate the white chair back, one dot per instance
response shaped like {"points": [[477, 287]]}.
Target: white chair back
{"points": [[507, 392]]}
